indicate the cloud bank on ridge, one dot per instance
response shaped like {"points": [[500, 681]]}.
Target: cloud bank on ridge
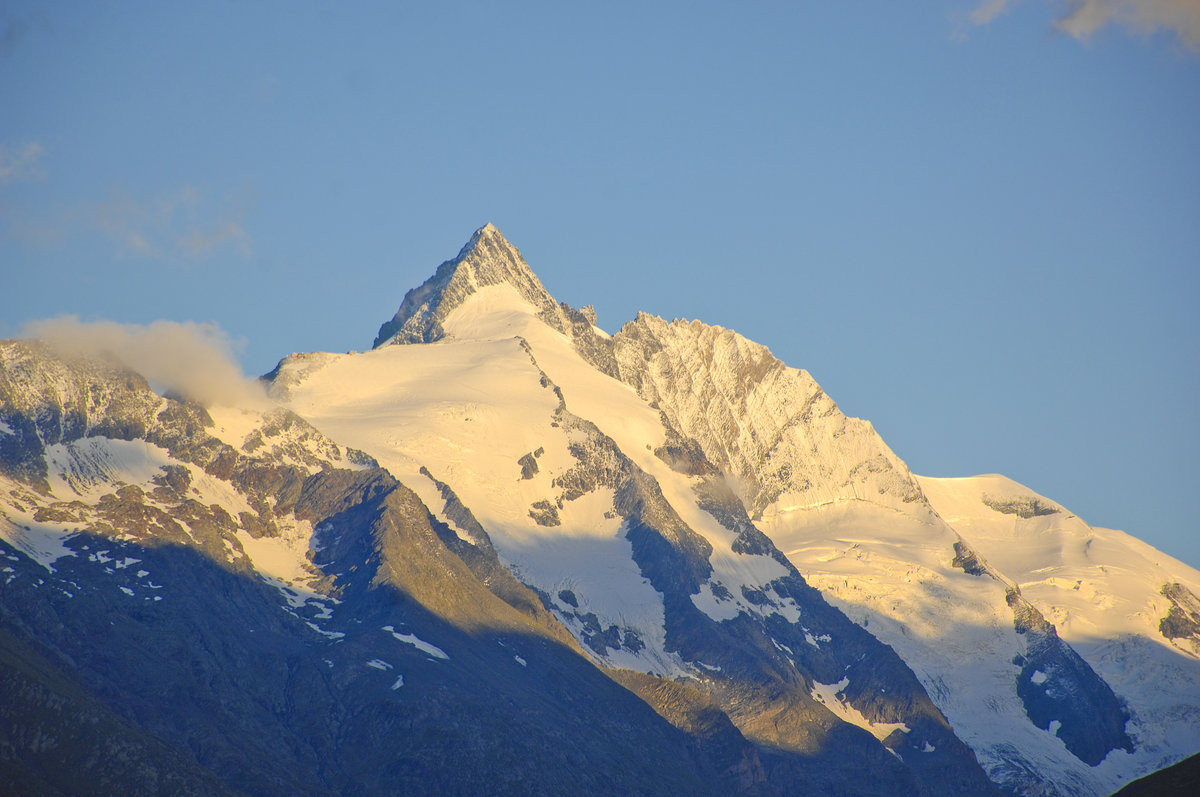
{"points": [[194, 360]]}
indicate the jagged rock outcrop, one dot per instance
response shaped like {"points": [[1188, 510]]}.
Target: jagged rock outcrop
{"points": [[488, 259], [770, 427], [1182, 623]]}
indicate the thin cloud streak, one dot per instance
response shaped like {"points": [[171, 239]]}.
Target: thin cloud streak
{"points": [[20, 163], [174, 227], [192, 359], [1084, 17], [989, 10]]}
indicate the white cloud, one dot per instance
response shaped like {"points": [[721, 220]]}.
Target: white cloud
{"points": [[1082, 18], [174, 227], [989, 10], [229, 231], [194, 360], [19, 163]]}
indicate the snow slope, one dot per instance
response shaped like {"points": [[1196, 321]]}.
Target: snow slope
{"points": [[893, 574], [467, 408], [1102, 589]]}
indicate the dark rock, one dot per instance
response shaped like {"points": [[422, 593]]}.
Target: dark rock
{"points": [[1183, 618], [544, 513], [1179, 779], [1056, 684], [1021, 507], [529, 466]]}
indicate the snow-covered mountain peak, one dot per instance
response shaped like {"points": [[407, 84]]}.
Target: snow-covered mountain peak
{"points": [[487, 260], [489, 252], [488, 279]]}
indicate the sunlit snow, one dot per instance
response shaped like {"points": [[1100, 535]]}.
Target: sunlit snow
{"points": [[418, 643], [829, 695]]}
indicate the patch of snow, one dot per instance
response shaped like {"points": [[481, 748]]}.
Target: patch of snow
{"points": [[44, 544], [326, 609], [718, 609], [1038, 677], [1054, 726], [92, 466], [418, 643], [928, 748], [399, 682], [283, 562], [126, 590], [784, 649], [830, 695], [520, 661], [233, 425], [379, 664], [788, 609], [330, 634]]}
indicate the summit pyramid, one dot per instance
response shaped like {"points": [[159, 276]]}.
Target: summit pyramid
{"points": [[487, 259]]}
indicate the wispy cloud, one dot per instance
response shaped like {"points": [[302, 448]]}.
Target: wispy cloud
{"points": [[194, 360], [1082, 18], [20, 162], [989, 10], [180, 226]]}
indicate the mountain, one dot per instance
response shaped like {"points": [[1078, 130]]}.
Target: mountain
{"points": [[505, 551]]}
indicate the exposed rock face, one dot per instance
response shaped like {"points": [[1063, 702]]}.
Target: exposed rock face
{"points": [[1022, 508], [45, 400], [1057, 686], [1182, 623], [489, 259], [768, 426]]}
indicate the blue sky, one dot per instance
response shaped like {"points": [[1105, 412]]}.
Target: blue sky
{"points": [[977, 224]]}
